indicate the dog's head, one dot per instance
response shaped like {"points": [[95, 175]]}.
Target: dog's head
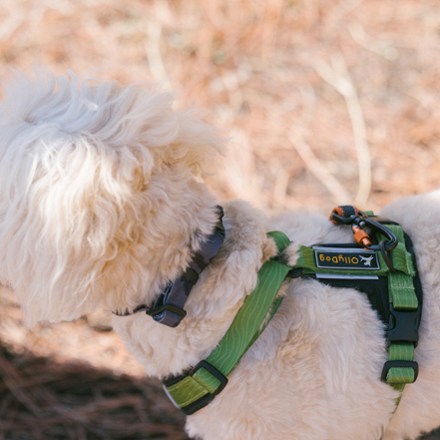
{"points": [[94, 185]]}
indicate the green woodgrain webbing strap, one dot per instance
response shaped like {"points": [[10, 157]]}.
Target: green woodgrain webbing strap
{"points": [[401, 286], [403, 298], [254, 315]]}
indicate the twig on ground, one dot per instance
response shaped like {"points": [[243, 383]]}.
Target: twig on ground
{"points": [[155, 59], [339, 193], [338, 76]]}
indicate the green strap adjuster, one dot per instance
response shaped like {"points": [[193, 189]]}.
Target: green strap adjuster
{"points": [[402, 335]]}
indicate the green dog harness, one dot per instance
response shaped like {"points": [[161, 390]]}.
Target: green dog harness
{"points": [[381, 264]]}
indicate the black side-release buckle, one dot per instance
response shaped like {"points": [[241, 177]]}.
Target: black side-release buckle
{"points": [[403, 325], [169, 314], [399, 364], [164, 310]]}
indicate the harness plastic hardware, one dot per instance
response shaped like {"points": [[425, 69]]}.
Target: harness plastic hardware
{"points": [[403, 326], [361, 236], [164, 310], [166, 313], [391, 365], [205, 399]]}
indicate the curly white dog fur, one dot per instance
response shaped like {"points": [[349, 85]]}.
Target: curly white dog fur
{"points": [[101, 204]]}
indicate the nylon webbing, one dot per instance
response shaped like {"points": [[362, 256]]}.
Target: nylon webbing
{"points": [[248, 324], [403, 298]]}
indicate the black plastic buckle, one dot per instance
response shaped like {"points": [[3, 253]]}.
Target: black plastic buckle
{"points": [[168, 314], [399, 364], [207, 398], [403, 325]]}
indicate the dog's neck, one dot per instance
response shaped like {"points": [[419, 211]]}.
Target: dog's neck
{"points": [[168, 309], [212, 305]]}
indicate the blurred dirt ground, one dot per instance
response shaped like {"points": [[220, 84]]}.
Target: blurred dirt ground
{"points": [[42, 399], [72, 382], [324, 102]]}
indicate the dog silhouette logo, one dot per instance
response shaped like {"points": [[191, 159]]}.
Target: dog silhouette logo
{"points": [[366, 260]]}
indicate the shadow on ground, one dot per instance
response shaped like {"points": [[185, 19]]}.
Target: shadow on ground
{"points": [[44, 400], [435, 435]]}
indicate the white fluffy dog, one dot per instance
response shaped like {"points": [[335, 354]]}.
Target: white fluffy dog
{"points": [[101, 205]]}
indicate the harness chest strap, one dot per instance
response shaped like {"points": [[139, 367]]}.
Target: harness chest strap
{"points": [[198, 387]]}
